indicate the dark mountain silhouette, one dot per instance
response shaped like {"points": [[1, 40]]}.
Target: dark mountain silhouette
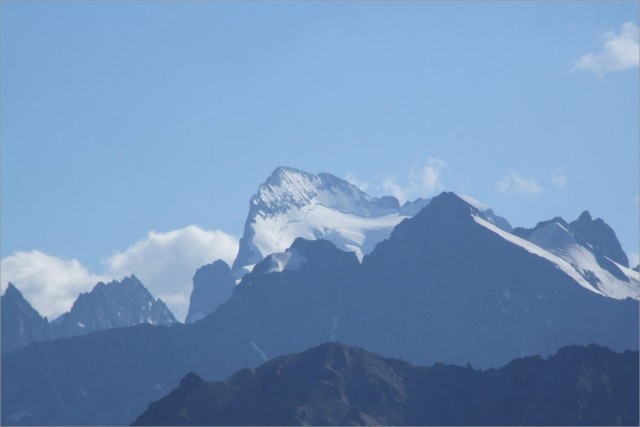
{"points": [[21, 323], [334, 384], [447, 286], [111, 305], [212, 286]]}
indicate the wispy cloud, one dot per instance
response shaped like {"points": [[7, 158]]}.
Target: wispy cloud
{"points": [[619, 52], [514, 183], [558, 178], [422, 180], [361, 184], [634, 259], [164, 262]]}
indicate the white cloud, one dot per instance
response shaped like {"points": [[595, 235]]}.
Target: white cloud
{"points": [[390, 186], [514, 183], [619, 52], [423, 180], [634, 259], [353, 179], [50, 284], [164, 262], [558, 178]]}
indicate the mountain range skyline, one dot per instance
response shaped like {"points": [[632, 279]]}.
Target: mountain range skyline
{"points": [[330, 213], [292, 190], [101, 174], [447, 286]]}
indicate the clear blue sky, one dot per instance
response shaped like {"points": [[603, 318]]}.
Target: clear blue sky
{"points": [[123, 117]]}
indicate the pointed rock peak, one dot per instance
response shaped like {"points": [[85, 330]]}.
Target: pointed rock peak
{"points": [[584, 217], [448, 201], [12, 291], [132, 278], [282, 173], [598, 236], [526, 233], [13, 295], [131, 281], [556, 220], [191, 380], [216, 267]]}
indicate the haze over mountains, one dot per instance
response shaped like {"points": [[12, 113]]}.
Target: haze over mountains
{"points": [[448, 284]]}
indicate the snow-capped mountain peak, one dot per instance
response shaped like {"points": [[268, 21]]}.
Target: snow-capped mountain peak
{"points": [[288, 188], [592, 249], [292, 203]]}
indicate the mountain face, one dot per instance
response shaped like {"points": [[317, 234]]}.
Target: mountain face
{"points": [[334, 384], [112, 305], [448, 286], [293, 203], [592, 249], [212, 286], [21, 323]]}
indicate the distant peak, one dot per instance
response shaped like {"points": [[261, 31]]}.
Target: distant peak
{"points": [[133, 279], [448, 199], [190, 380], [585, 217], [12, 290], [558, 220], [282, 172]]}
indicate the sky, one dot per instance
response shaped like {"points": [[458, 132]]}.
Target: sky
{"points": [[133, 134]]}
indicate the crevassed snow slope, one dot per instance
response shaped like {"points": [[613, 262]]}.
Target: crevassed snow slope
{"points": [[293, 203], [537, 250], [556, 238], [348, 232]]}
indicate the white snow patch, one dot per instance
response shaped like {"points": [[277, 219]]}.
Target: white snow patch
{"points": [[278, 261], [259, 350], [473, 202], [295, 260], [562, 264], [584, 261], [334, 326], [556, 239], [289, 260], [81, 324], [631, 274], [349, 232]]}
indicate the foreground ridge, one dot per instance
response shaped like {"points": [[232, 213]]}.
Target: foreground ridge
{"points": [[334, 384]]}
